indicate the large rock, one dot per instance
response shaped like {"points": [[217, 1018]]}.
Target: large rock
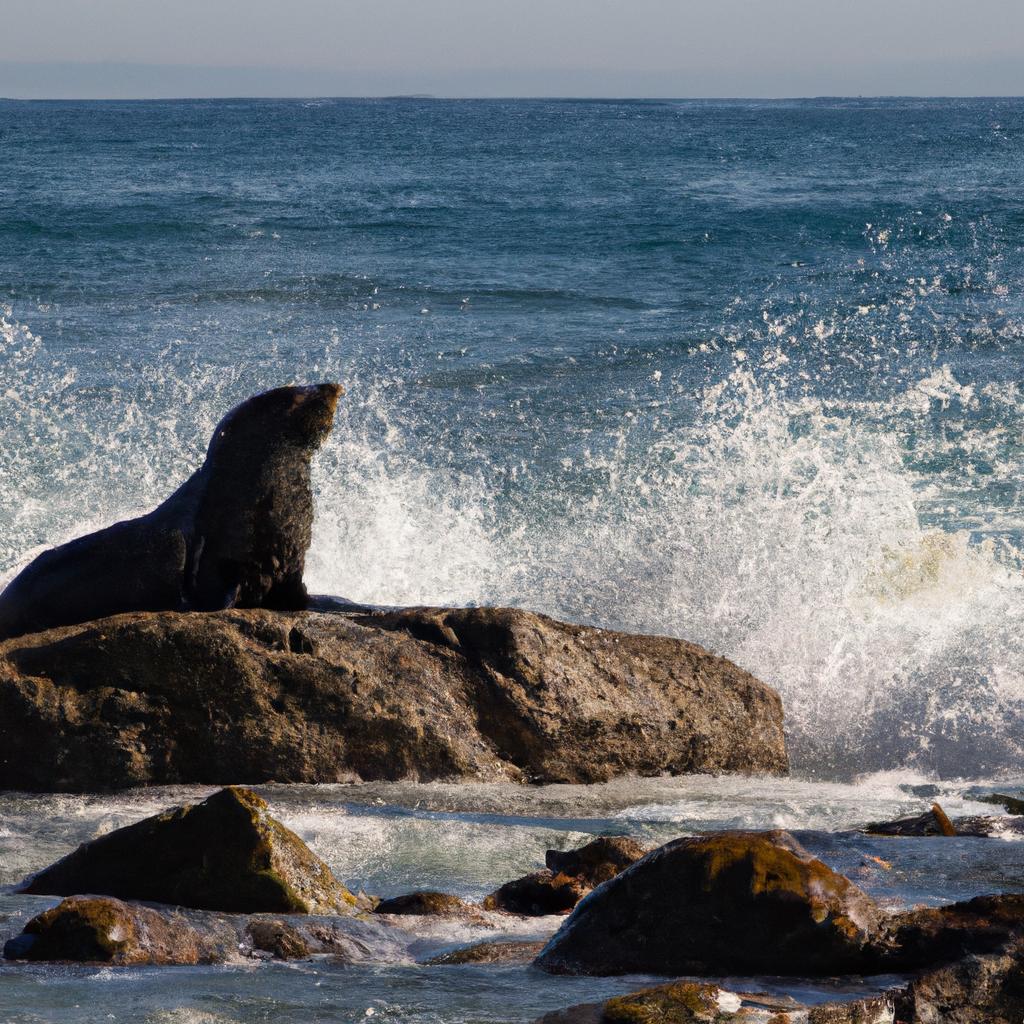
{"points": [[226, 853], [730, 902], [257, 695]]}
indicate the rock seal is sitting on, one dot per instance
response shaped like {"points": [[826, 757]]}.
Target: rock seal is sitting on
{"points": [[235, 534]]}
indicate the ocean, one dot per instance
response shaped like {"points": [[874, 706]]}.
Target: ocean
{"points": [[747, 373]]}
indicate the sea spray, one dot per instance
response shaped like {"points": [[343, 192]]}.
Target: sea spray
{"points": [[784, 532]]}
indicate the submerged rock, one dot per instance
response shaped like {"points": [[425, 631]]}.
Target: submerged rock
{"points": [[690, 1002], [729, 902], [226, 853], [931, 824], [101, 929], [484, 693], [97, 930], [489, 953], [1011, 804], [568, 877]]}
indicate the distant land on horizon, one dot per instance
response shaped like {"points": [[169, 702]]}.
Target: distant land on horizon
{"points": [[66, 80]]}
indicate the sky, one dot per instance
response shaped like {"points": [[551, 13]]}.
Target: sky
{"points": [[600, 48]]}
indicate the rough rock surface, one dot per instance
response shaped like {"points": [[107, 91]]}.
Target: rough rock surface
{"points": [[975, 990], [689, 1002], [100, 929], [256, 695], [538, 894], [729, 902], [520, 953], [423, 903], [933, 935], [226, 853], [88, 929], [596, 861]]}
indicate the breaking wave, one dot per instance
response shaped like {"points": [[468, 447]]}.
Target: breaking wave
{"points": [[804, 537]]}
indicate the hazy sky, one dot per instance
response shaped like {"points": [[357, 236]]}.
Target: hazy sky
{"points": [[139, 48]]}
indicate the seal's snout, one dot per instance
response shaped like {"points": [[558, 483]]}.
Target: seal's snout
{"points": [[331, 392], [312, 410]]}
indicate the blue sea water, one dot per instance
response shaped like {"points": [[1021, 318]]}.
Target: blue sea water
{"points": [[745, 372]]}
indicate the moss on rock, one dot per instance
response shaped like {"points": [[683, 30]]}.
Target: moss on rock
{"points": [[732, 901], [226, 853], [85, 929], [424, 903]]}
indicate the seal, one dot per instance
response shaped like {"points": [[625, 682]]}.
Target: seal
{"points": [[235, 534]]}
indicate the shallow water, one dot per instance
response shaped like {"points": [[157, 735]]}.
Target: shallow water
{"points": [[390, 838]]}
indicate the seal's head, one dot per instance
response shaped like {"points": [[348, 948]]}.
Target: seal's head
{"points": [[297, 417]]}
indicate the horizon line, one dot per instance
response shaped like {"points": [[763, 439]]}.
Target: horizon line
{"points": [[354, 97]]}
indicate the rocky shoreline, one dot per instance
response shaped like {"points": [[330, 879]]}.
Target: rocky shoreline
{"points": [[223, 881]]}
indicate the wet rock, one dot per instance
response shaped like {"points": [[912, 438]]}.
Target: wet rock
{"points": [[489, 953], [569, 876], [597, 861], [932, 935], [929, 824], [1011, 804], [423, 903], [279, 938], [688, 1002], [261, 695], [729, 902], [538, 894], [974, 990], [226, 853], [99, 930]]}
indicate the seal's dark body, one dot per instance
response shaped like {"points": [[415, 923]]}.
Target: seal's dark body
{"points": [[235, 534]]}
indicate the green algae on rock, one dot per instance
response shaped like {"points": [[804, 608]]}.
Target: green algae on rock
{"points": [[226, 853], [101, 930], [738, 902]]}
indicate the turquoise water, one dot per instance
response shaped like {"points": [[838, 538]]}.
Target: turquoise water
{"points": [[747, 373]]}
